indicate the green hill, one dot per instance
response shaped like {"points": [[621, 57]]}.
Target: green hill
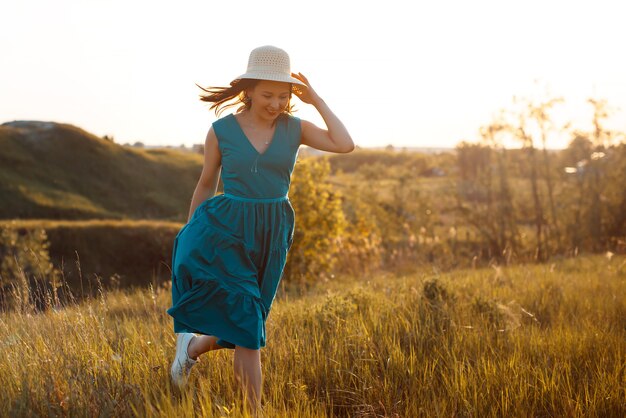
{"points": [[58, 171]]}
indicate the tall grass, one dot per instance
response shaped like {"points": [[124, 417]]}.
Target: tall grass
{"points": [[531, 340]]}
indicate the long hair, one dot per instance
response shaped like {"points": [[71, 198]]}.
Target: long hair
{"points": [[225, 97]]}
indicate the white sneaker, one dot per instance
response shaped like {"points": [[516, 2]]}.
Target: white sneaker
{"points": [[181, 367]]}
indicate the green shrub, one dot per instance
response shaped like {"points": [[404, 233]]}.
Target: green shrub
{"points": [[28, 280], [320, 222]]}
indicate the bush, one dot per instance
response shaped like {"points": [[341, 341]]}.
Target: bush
{"points": [[320, 222], [27, 277]]}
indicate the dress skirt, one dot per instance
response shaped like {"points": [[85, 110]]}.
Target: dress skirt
{"points": [[227, 263]]}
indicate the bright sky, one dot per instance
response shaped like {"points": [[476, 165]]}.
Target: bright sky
{"points": [[407, 73]]}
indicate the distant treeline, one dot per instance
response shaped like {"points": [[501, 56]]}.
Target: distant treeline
{"points": [[378, 164], [534, 204]]}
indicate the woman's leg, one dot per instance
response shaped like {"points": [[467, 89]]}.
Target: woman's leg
{"points": [[201, 344], [248, 372]]}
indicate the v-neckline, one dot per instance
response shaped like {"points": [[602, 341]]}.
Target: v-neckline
{"points": [[250, 143]]}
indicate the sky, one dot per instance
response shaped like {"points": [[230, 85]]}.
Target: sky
{"points": [[410, 74]]}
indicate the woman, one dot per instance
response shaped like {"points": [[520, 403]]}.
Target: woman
{"points": [[229, 258]]}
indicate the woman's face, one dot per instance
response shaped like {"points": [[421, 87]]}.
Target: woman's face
{"points": [[269, 98]]}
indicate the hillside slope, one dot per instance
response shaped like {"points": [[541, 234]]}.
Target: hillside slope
{"points": [[58, 171]]}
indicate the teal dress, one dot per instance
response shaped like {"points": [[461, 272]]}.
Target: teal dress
{"points": [[228, 260]]}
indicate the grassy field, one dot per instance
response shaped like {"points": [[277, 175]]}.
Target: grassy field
{"points": [[532, 340]]}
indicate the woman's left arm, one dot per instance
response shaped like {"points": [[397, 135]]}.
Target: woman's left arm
{"points": [[336, 138]]}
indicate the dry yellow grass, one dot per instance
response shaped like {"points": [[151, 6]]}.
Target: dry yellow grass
{"points": [[531, 340]]}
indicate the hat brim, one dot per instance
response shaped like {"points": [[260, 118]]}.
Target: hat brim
{"points": [[271, 77]]}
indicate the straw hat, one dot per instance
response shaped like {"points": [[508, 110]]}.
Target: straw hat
{"points": [[269, 63]]}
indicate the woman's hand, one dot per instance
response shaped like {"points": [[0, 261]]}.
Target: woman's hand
{"points": [[307, 95], [334, 139]]}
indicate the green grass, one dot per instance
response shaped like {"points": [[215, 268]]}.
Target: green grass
{"points": [[531, 340]]}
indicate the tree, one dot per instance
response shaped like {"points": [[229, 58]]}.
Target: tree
{"points": [[523, 131], [601, 138], [540, 113], [491, 210]]}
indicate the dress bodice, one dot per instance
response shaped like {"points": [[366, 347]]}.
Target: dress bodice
{"points": [[248, 173]]}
